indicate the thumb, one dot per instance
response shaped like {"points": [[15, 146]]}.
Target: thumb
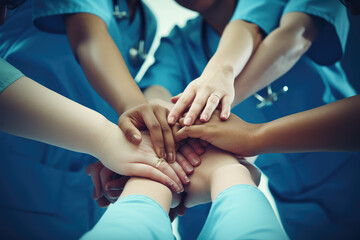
{"points": [[194, 131], [131, 132]]}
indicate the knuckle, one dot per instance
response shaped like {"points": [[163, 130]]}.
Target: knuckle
{"points": [[155, 126], [164, 167]]}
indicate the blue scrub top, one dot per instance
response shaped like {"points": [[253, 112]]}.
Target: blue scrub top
{"points": [[48, 195], [309, 188], [8, 74]]}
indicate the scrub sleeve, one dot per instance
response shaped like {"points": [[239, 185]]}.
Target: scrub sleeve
{"points": [[241, 212], [133, 217], [333, 35], [8, 74], [48, 15]]}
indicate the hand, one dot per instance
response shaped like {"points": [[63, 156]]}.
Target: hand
{"points": [[152, 117], [215, 161], [124, 158], [108, 185], [214, 88], [233, 135]]}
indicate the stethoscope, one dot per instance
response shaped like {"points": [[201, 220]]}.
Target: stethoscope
{"points": [[137, 54], [271, 97]]}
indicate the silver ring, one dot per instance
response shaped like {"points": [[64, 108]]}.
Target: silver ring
{"points": [[159, 161], [215, 95]]}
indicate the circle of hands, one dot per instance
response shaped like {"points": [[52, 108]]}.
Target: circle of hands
{"points": [[187, 176]]}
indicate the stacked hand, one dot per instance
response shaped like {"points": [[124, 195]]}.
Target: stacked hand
{"points": [[213, 89]]}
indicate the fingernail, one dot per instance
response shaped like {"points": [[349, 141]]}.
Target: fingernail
{"points": [[187, 121], [195, 160], [171, 157], [204, 117], [179, 189], [187, 180], [171, 120], [136, 137], [189, 168]]}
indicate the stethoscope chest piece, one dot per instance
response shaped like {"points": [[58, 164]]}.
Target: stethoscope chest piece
{"points": [[271, 97]]}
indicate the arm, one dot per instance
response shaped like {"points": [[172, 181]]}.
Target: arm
{"points": [[102, 61], [33, 111], [107, 72], [278, 53], [216, 84], [332, 127]]}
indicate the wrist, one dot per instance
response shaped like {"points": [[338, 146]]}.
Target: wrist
{"points": [[227, 69], [260, 139], [228, 176], [132, 103], [109, 138]]}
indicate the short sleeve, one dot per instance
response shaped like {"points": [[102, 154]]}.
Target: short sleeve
{"points": [[330, 44], [133, 217], [264, 13], [47, 14], [8, 74], [166, 70]]}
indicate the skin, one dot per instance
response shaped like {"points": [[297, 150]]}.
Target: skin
{"points": [[60, 122], [209, 179], [215, 86], [107, 72], [332, 127], [277, 53]]}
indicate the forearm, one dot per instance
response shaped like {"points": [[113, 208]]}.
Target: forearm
{"points": [[157, 92], [32, 111], [154, 190], [238, 41], [102, 61], [333, 127], [277, 54]]}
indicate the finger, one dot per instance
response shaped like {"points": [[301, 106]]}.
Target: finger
{"points": [[155, 131], [180, 172], [105, 176], [204, 143], [184, 163], [153, 173], [211, 105], [185, 99], [103, 202], [117, 184], [167, 170], [190, 154], [196, 107], [181, 209], [113, 195], [225, 108], [176, 98], [195, 144], [132, 134], [195, 131], [167, 133], [93, 170]]}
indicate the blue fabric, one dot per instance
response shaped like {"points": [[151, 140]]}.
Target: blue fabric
{"points": [[264, 13], [133, 217], [8, 74], [48, 194], [181, 58], [242, 212], [239, 212], [334, 33]]}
